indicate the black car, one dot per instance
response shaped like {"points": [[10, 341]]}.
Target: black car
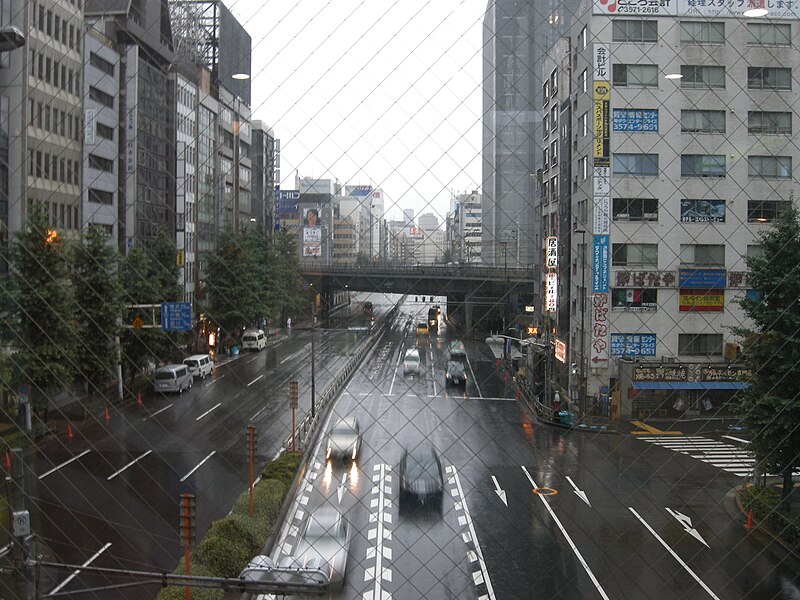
{"points": [[455, 373], [421, 479]]}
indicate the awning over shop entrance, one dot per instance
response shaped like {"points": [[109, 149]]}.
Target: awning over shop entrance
{"points": [[690, 385]]}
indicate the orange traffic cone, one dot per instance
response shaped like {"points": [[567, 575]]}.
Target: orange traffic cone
{"points": [[70, 435], [139, 401], [106, 416], [749, 525], [8, 462]]}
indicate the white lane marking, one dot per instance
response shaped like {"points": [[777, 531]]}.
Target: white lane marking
{"points": [[478, 551], [200, 464], [475, 379], [499, 399], [64, 464], [213, 408], [433, 374], [254, 380], [75, 573], [675, 556], [568, 538], [215, 380], [157, 412], [258, 413], [379, 572], [397, 366], [296, 354], [130, 464], [736, 439]]}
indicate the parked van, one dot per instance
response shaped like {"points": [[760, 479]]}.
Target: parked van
{"points": [[254, 339], [172, 378], [199, 365]]}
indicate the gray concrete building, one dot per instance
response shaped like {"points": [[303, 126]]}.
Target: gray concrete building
{"points": [[40, 114], [680, 147], [266, 174]]}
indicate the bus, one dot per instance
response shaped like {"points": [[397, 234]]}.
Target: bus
{"points": [[368, 308], [458, 351]]}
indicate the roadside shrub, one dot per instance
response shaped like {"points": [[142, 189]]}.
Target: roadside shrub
{"points": [[764, 501], [267, 499], [178, 592], [283, 469]]}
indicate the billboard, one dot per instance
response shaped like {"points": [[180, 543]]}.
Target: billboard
{"points": [[600, 264], [702, 211], [635, 119], [311, 217], [778, 9], [694, 300], [600, 123], [312, 241], [552, 252], [551, 292], [701, 278], [633, 344]]}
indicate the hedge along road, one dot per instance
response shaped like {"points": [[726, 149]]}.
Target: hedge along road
{"points": [[120, 482]]}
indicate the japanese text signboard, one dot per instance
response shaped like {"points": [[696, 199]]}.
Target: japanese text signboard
{"points": [[552, 252]]}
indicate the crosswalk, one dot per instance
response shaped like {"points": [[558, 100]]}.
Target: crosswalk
{"points": [[719, 454]]}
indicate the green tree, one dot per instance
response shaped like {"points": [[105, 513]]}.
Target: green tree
{"points": [[149, 275], [771, 349], [231, 283], [99, 305], [286, 297], [44, 303]]}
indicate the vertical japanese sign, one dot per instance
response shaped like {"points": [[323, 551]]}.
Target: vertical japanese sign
{"points": [[600, 264], [601, 195], [600, 331], [551, 292], [552, 252]]}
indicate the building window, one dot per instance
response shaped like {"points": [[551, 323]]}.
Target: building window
{"points": [[584, 168], [769, 122], [554, 153], [769, 78], [104, 131], [702, 32], [769, 34], [636, 165], [703, 255], [101, 97], [583, 80], [763, 211], [628, 30], [554, 118], [582, 39], [635, 209], [583, 124], [101, 63], [634, 299], [545, 124], [705, 77], [769, 167], [702, 165], [635, 75], [546, 93], [101, 196], [100, 163], [703, 121], [754, 251], [554, 83], [634, 255], [700, 344]]}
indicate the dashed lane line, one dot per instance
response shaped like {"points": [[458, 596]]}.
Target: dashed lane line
{"points": [[64, 464], [200, 464], [75, 573], [210, 410], [130, 464]]}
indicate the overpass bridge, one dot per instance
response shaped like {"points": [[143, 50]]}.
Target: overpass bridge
{"points": [[477, 296]]}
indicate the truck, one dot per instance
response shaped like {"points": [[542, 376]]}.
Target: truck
{"points": [[433, 319]]}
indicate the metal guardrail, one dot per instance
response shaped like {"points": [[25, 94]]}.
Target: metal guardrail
{"points": [[305, 428]]}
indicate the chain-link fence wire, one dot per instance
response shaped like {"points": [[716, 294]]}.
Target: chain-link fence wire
{"points": [[88, 539]]}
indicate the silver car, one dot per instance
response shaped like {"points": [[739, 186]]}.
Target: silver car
{"points": [[325, 540], [344, 440]]}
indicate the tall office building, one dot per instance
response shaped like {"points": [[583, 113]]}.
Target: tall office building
{"points": [[142, 36], [40, 116], [266, 173], [674, 133], [516, 37]]}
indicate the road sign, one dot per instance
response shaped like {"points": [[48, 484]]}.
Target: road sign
{"points": [[24, 392], [176, 316], [21, 523], [137, 322]]}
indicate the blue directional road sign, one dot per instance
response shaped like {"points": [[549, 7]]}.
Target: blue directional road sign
{"points": [[176, 316]]}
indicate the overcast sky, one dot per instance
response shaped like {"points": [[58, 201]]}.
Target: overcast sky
{"points": [[372, 92]]}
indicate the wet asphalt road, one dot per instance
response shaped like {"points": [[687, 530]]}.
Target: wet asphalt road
{"points": [[114, 489], [655, 523]]}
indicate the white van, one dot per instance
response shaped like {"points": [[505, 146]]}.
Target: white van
{"points": [[411, 363], [200, 365], [172, 378], [254, 339]]}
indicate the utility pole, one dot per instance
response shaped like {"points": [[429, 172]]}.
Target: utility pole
{"points": [[24, 579]]}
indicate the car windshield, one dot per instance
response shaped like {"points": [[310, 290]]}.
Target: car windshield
{"points": [[421, 466]]}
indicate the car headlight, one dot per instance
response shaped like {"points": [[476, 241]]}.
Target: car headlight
{"points": [[355, 447], [328, 453]]}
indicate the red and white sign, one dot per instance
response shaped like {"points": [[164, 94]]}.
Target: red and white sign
{"points": [[551, 292], [560, 351]]}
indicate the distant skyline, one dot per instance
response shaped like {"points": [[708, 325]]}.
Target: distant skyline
{"points": [[370, 93]]}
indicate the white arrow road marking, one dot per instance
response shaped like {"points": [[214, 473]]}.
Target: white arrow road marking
{"points": [[499, 492], [678, 558], [686, 523], [580, 493], [566, 536], [75, 573], [340, 491]]}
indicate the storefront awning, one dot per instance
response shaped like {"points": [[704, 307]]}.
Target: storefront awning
{"points": [[690, 385]]}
